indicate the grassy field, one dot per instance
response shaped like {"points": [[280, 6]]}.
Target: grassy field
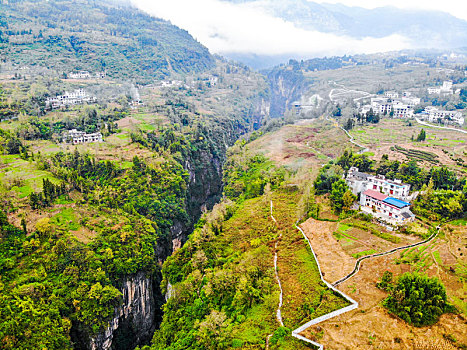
{"points": [[303, 148], [394, 138], [20, 177], [305, 296], [371, 327]]}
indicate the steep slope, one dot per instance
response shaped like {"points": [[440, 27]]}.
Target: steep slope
{"points": [[99, 219], [67, 36]]}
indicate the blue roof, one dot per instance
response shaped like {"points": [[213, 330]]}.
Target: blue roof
{"points": [[396, 202]]}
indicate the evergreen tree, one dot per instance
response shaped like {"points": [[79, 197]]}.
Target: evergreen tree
{"points": [[421, 136]]}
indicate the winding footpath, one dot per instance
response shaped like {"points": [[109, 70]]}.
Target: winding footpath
{"points": [[439, 127], [352, 303], [352, 140], [278, 312], [358, 263]]}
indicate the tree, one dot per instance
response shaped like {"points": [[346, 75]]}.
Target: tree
{"points": [[14, 146], [327, 176], [349, 124], [339, 189], [347, 200], [337, 112], [421, 136], [43, 227], [418, 299], [386, 281]]}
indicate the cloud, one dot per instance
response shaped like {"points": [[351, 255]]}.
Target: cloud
{"points": [[457, 8], [245, 28]]}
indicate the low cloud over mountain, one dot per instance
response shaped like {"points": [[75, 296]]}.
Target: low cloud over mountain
{"points": [[269, 30]]}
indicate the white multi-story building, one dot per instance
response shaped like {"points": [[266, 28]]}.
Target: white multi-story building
{"points": [[410, 101], [446, 88], [359, 182], [402, 107], [402, 110], [80, 75], [381, 105], [391, 94], [86, 75], [75, 137], [391, 209], [434, 115], [78, 96]]}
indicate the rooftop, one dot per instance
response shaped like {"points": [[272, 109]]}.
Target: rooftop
{"points": [[375, 194], [396, 202]]}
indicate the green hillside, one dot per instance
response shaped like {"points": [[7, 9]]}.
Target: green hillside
{"points": [[123, 41]]}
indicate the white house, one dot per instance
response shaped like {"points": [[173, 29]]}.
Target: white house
{"points": [[446, 88], [86, 75], [388, 208], [359, 182], [391, 94], [381, 105], [75, 137], [435, 115], [78, 96], [410, 101], [402, 110], [80, 75]]}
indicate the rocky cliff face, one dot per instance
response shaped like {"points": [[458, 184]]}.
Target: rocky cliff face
{"points": [[286, 86], [134, 321]]}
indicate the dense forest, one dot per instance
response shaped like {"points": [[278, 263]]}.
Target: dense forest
{"points": [[122, 41]]}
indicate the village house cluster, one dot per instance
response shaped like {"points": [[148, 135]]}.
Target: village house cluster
{"points": [[76, 137], [404, 106], [392, 104], [434, 115], [86, 75], [381, 197], [76, 97]]}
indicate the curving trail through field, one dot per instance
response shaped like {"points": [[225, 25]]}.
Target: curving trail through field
{"points": [[440, 127], [357, 264], [353, 304], [278, 312]]}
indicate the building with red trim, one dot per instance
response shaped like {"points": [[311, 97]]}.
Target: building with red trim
{"points": [[388, 208]]}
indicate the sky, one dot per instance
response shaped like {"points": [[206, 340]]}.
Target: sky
{"points": [[246, 28]]}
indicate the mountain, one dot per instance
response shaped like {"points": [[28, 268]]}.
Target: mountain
{"points": [[421, 28], [97, 36]]}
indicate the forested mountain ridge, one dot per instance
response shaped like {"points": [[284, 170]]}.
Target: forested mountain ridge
{"points": [[97, 220], [67, 36]]}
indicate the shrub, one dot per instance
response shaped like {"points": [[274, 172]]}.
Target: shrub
{"points": [[418, 299]]}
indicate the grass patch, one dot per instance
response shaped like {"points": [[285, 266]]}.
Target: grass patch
{"points": [[459, 222], [437, 257], [66, 219], [364, 253], [23, 191], [374, 230], [146, 127], [369, 154], [124, 136]]}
